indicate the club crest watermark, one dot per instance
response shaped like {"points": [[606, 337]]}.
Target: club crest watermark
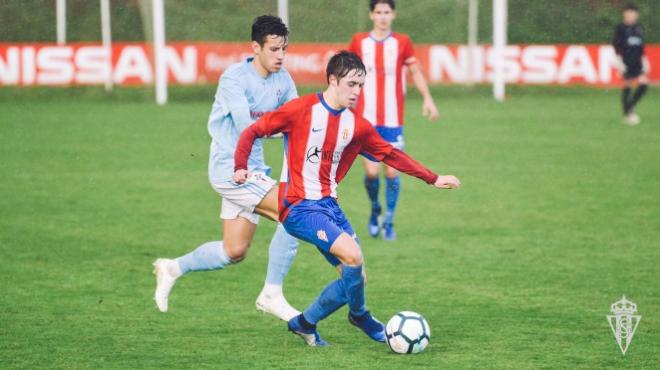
{"points": [[623, 322]]}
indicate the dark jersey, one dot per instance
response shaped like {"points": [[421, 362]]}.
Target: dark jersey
{"points": [[629, 44]]}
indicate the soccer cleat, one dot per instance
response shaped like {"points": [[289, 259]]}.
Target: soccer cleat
{"points": [[374, 222], [631, 119], [165, 279], [276, 305], [388, 231], [309, 335], [369, 325]]}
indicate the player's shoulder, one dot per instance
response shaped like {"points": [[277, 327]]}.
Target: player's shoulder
{"points": [[360, 36], [301, 102], [402, 37], [235, 71]]}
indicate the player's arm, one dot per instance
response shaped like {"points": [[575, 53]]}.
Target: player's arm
{"points": [[429, 110], [269, 124], [233, 96], [395, 158], [618, 42]]}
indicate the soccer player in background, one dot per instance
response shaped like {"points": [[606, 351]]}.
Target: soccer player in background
{"points": [[387, 55], [246, 91], [633, 64], [322, 139]]}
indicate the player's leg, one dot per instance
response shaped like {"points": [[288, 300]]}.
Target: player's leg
{"points": [[238, 231], [393, 135], [642, 87], [327, 228], [281, 253], [625, 97], [392, 190], [372, 184]]}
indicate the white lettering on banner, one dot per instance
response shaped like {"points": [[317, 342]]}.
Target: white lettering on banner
{"points": [[184, 69], [577, 63], [539, 65], [9, 72], [510, 65], [607, 61], [28, 66], [92, 65], [217, 62], [442, 61], [133, 63], [54, 65]]}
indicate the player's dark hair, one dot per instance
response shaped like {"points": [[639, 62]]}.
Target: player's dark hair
{"points": [[632, 7], [373, 3], [342, 63], [266, 25]]}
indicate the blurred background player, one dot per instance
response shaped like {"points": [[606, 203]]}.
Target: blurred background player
{"points": [[323, 138], [633, 64], [385, 54], [246, 91]]}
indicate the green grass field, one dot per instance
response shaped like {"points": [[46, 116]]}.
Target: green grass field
{"points": [[558, 217]]}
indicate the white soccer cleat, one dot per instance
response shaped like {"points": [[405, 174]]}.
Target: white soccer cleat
{"points": [[631, 119], [166, 275], [276, 305]]}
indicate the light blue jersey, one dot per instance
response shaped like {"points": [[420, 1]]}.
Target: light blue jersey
{"points": [[241, 98]]}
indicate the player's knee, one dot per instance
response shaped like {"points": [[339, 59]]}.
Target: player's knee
{"points": [[237, 251], [353, 257]]}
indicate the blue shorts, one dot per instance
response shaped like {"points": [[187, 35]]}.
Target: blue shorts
{"points": [[393, 135], [319, 222]]}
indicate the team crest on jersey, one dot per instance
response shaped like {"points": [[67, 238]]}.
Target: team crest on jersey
{"points": [[322, 235]]}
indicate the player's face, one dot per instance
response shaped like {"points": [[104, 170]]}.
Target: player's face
{"points": [[271, 55], [382, 16], [348, 88], [630, 17]]}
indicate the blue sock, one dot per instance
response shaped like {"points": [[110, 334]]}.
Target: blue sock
{"points": [[392, 189], [354, 286], [372, 186], [281, 252], [208, 256], [331, 299]]}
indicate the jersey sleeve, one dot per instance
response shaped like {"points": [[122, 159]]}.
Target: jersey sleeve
{"points": [[371, 142], [408, 55], [618, 41], [232, 94], [269, 124]]}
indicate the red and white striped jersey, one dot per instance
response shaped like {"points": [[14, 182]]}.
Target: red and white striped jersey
{"points": [[382, 99], [321, 144]]}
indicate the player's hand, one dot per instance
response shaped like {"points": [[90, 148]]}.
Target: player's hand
{"points": [[240, 176], [447, 182], [429, 110]]}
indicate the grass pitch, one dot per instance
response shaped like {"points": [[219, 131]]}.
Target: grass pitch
{"points": [[558, 217]]}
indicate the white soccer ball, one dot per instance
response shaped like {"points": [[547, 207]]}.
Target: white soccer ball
{"points": [[407, 332]]}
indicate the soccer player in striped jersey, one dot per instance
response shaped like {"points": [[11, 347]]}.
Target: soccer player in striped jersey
{"points": [[322, 137], [245, 92], [387, 55]]}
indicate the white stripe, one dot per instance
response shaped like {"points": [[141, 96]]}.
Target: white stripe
{"points": [[369, 91], [312, 164], [391, 54], [284, 176], [347, 128]]}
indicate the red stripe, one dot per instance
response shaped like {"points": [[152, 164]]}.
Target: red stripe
{"points": [[380, 85], [327, 153], [297, 143]]}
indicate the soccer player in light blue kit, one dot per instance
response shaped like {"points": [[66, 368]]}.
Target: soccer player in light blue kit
{"points": [[246, 91]]}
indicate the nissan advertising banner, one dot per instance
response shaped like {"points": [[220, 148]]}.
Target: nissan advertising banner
{"points": [[202, 63]]}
